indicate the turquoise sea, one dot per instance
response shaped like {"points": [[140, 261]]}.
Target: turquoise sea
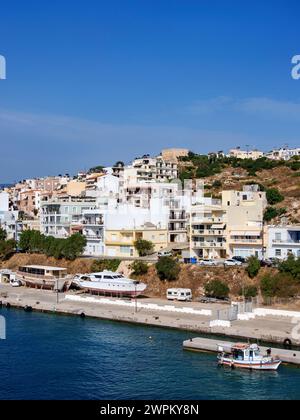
{"points": [[59, 357]]}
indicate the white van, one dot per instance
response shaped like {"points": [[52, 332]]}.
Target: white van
{"points": [[183, 295]]}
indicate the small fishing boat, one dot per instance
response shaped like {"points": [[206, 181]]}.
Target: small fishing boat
{"points": [[246, 356]]}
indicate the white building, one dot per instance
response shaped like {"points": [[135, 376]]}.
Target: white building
{"points": [[283, 153], [281, 241]]}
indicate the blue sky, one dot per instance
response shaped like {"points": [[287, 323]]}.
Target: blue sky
{"points": [[91, 82]]}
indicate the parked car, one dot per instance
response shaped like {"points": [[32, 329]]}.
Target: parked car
{"points": [[231, 263], [241, 259], [207, 262], [164, 254], [266, 263], [15, 283], [205, 299]]}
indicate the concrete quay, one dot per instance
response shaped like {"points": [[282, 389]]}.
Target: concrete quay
{"points": [[193, 317], [210, 345]]}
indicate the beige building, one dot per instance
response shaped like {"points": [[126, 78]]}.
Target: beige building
{"points": [[120, 243], [245, 154], [229, 227], [75, 188], [172, 155], [244, 214]]}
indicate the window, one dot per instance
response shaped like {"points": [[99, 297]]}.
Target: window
{"points": [[278, 252], [278, 236], [125, 249]]}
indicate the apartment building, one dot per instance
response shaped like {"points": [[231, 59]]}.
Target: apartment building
{"points": [[245, 154], [283, 153], [148, 169], [30, 201], [244, 215], [208, 229], [120, 243], [282, 241]]}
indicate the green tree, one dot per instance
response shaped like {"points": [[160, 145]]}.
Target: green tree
{"points": [[249, 291], [167, 269], [144, 247], [253, 267], [278, 285], [291, 266], [274, 196], [271, 213], [217, 289], [25, 240], [101, 265], [7, 249], [139, 268], [3, 234], [73, 246]]}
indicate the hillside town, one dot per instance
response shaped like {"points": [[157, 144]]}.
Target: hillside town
{"points": [[113, 207]]}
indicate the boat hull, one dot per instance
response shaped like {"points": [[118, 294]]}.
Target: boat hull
{"points": [[255, 365], [99, 289]]}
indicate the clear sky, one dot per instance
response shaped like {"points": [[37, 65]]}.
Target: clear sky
{"points": [[92, 82]]}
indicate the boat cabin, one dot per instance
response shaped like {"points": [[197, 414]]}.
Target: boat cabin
{"points": [[42, 277], [245, 352]]}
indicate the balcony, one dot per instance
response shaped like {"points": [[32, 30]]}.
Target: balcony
{"points": [[91, 237], [208, 232], [287, 242], [217, 245], [247, 241]]}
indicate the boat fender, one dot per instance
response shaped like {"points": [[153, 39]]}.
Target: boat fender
{"points": [[1, 304], [8, 305], [287, 344], [28, 308], [82, 315]]}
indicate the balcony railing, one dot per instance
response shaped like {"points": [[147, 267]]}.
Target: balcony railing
{"points": [[209, 232], [285, 241], [209, 244]]}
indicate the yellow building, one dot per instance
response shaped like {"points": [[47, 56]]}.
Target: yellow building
{"points": [[244, 217], [120, 243]]}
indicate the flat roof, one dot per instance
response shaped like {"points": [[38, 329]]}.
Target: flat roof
{"points": [[45, 267]]}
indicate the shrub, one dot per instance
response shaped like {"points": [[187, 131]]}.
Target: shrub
{"points": [[7, 249], [167, 269], [217, 289], [139, 268], [3, 234], [253, 267], [101, 265], [274, 196], [272, 213], [278, 285], [249, 292], [217, 184], [291, 266], [144, 247]]}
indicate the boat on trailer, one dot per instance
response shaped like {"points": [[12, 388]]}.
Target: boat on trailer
{"points": [[246, 356], [109, 283]]}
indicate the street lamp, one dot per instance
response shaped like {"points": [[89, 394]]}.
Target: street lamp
{"points": [[135, 289]]}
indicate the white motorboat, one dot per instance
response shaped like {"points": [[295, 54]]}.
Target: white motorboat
{"points": [[246, 356], [109, 283]]}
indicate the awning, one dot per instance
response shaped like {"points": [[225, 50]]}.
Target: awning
{"points": [[245, 233], [219, 227]]}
